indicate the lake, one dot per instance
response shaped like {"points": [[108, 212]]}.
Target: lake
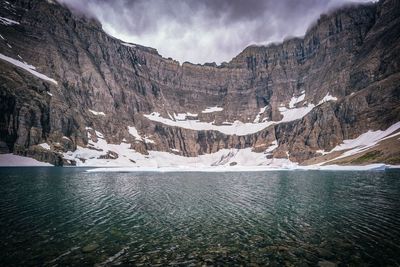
{"points": [[65, 216]]}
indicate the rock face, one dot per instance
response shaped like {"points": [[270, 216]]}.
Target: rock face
{"points": [[346, 70]]}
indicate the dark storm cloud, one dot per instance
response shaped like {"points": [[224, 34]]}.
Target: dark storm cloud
{"points": [[204, 30]]}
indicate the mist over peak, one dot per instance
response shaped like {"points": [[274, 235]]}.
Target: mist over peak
{"points": [[207, 30]]}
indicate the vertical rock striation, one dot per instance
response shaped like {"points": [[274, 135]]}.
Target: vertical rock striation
{"points": [[351, 55]]}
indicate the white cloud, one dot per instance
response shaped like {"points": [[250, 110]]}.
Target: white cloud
{"points": [[204, 31]]}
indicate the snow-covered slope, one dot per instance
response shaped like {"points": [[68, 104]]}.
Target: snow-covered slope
{"points": [[27, 67], [231, 128], [99, 153]]}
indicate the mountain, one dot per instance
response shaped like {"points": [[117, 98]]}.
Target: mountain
{"points": [[73, 95]]}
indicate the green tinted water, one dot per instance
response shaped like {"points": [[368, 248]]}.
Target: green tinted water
{"points": [[64, 216]]}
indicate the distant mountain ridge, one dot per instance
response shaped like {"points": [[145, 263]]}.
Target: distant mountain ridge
{"points": [[73, 95]]}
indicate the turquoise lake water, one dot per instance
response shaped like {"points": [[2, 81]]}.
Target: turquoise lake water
{"points": [[65, 216]]}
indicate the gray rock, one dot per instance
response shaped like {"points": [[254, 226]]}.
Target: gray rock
{"points": [[326, 264], [342, 54], [90, 247]]}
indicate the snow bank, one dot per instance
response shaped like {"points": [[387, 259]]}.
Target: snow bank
{"points": [[10, 160], [96, 112], [224, 160], [29, 68], [196, 164], [364, 142], [237, 127], [103, 154], [95, 155], [91, 155]]}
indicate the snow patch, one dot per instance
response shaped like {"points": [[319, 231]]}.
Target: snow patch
{"points": [[225, 160], [133, 131], [224, 157], [296, 100], [212, 109], [321, 151], [364, 142], [99, 134], [97, 113], [128, 44], [262, 110], [8, 22], [272, 147], [93, 155], [45, 146], [148, 140], [235, 128], [327, 98], [182, 116], [294, 113], [29, 68]]}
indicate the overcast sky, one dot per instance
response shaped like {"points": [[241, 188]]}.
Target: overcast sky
{"points": [[202, 31]]}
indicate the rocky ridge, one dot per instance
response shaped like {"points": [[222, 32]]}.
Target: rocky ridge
{"points": [[301, 97]]}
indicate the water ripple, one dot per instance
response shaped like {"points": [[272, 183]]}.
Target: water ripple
{"points": [[52, 216]]}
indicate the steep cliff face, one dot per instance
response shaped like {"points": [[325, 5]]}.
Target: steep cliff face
{"points": [[301, 96]]}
